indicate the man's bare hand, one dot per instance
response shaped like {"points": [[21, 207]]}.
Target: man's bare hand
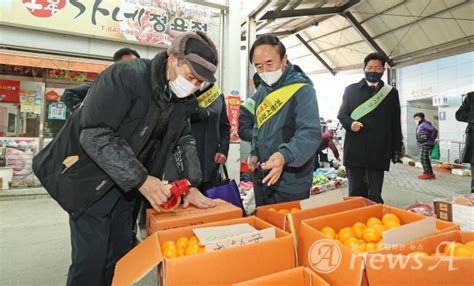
{"points": [[220, 158], [275, 163], [356, 126], [253, 163], [197, 199], [155, 192]]}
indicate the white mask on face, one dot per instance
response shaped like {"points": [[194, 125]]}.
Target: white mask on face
{"points": [[271, 77], [181, 86]]}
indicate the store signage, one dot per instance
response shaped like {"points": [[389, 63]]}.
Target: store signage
{"points": [[233, 113], [440, 101], [57, 110], [52, 96], [155, 22], [9, 91], [422, 92]]}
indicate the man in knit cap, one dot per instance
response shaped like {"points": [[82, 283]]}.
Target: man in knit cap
{"points": [[121, 138]]}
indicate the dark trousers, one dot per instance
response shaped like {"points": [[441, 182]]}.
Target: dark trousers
{"points": [[425, 159], [265, 195], [99, 238], [472, 178], [366, 183]]}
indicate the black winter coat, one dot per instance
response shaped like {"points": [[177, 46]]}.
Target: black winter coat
{"points": [[374, 145], [211, 129], [73, 97], [466, 114], [127, 128]]}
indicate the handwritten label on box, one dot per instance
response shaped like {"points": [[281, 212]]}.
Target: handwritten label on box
{"points": [[208, 235], [242, 240]]}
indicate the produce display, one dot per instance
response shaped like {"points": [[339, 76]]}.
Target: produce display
{"points": [[285, 211], [451, 248], [182, 247], [320, 180], [364, 237]]}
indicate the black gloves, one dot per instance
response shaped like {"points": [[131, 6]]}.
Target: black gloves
{"points": [[396, 158]]}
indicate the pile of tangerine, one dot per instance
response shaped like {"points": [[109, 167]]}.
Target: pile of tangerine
{"points": [[182, 247], [364, 237], [456, 249]]}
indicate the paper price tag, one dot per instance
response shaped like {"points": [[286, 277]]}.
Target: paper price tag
{"points": [[245, 239]]}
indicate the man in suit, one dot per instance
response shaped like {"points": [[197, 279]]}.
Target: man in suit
{"points": [[465, 113], [370, 113]]}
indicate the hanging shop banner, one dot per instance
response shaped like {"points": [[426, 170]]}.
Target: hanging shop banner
{"points": [[147, 21], [71, 75], [57, 110], [9, 91], [233, 112]]}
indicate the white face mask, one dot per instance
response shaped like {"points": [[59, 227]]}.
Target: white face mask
{"points": [[271, 77], [181, 86]]}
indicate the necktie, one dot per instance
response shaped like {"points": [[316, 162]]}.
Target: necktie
{"points": [[373, 87]]}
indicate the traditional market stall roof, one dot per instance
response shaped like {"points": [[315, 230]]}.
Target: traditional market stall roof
{"points": [[333, 35]]}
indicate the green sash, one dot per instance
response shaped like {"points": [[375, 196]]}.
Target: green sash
{"points": [[249, 104], [372, 103]]}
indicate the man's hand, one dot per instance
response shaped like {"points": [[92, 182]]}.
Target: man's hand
{"points": [[275, 163], [220, 158], [356, 126], [197, 199], [253, 163], [155, 192]]}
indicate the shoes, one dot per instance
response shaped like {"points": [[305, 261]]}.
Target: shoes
{"points": [[425, 176]]}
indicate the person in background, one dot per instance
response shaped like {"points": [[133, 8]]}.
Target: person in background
{"points": [[211, 129], [287, 130], [73, 97], [247, 114], [326, 142], [465, 113], [426, 135], [370, 114]]}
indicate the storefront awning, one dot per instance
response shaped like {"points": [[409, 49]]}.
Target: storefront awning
{"points": [[30, 59]]}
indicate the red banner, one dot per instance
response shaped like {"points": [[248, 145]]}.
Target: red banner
{"points": [[9, 91], [233, 112]]}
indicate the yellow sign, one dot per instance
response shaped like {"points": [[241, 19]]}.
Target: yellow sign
{"points": [[207, 98], [275, 101], [155, 22]]}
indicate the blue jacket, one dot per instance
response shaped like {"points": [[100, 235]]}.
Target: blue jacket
{"points": [[426, 127], [294, 131]]}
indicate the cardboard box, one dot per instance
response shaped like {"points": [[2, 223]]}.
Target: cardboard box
{"points": [[291, 223], [339, 264], [423, 271], [223, 267], [300, 276], [190, 216], [458, 211]]}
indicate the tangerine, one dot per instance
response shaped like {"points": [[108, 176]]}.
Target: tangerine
{"points": [[370, 246], [167, 244], [193, 240], [294, 210], [371, 235], [202, 249], [463, 251], [372, 221], [392, 224], [345, 233], [182, 243], [352, 242], [387, 218], [380, 227], [192, 249], [284, 211], [358, 228], [329, 232], [272, 210], [451, 247], [170, 252]]}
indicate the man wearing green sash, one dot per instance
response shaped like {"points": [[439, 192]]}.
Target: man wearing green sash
{"points": [[287, 130], [370, 113]]}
